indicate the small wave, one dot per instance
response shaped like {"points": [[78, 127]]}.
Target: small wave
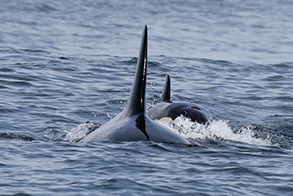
{"points": [[17, 83], [3, 87], [6, 70], [283, 65], [132, 61], [64, 58], [28, 50], [215, 130]]}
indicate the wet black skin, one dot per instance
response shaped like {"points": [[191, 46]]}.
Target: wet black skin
{"points": [[168, 109], [133, 124]]}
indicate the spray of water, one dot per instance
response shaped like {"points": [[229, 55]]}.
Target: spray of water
{"points": [[80, 131], [217, 130], [214, 130]]}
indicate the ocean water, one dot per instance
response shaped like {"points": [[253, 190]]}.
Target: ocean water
{"points": [[67, 67]]}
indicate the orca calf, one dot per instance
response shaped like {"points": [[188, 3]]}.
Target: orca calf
{"points": [[169, 110], [133, 124]]}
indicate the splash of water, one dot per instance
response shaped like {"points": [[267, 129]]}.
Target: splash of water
{"points": [[77, 133], [215, 130]]}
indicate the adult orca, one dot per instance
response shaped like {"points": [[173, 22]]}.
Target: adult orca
{"points": [[133, 124], [169, 110]]}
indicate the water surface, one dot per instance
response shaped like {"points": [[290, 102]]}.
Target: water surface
{"points": [[65, 63]]}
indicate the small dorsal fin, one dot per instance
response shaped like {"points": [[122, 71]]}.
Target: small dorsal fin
{"points": [[136, 101], [167, 90]]}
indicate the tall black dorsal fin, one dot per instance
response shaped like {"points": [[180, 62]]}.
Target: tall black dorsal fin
{"points": [[167, 90], [136, 101]]}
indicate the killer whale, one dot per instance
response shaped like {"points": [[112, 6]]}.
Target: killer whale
{"points": [[169, 110], [133, 123]]}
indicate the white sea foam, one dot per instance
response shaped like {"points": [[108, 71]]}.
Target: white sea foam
{"points": [[215, 130], [77, 133]]}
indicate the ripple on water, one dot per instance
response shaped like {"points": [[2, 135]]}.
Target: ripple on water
{"points": [[64, 63]]}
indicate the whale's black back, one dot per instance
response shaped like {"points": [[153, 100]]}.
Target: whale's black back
{"points": [[133, 124], [171, 110]]}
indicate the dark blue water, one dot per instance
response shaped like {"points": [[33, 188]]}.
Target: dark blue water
{"points": [[65, 63]]}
